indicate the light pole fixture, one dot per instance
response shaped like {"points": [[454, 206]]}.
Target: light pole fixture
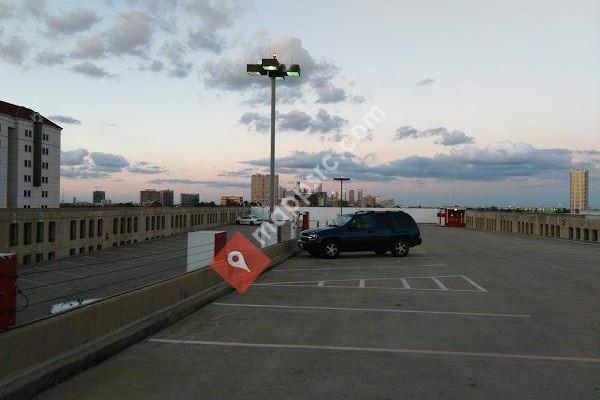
{"points": [[272, 68], [341, 191]]}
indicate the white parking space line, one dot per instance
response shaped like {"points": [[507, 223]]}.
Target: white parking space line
{"points": [[439, 283], [371, 288], [378, 310], [350, 268], [405, 284], [533, 357], [375, 283], [466, 278]]}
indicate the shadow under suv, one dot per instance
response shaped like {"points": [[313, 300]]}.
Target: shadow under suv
{"points": [[378, 231]]}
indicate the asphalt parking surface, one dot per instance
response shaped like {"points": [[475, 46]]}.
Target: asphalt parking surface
{"points": [[105, 273], [467, 315]]}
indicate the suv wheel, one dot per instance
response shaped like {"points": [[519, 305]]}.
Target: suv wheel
{"points": [[400, 248], [330, 249]]}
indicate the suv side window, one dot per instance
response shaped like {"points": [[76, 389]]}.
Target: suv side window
{"points": [[403, 220], [364, 221], [384, 220]]}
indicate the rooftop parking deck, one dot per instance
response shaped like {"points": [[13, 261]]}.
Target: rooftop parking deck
{"points": [[466, 315]]}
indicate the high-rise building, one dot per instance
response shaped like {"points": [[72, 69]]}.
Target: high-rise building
{"points": [[167, 198], [319, 188], [579, 190], [351, 197], [189, 199], [359, 196], [368, 201], [260, 185], [29, 159], [229, 200], [164, 197], [148, 196], [99, 196]]}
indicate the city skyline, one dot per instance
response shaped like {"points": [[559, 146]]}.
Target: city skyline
{"points": [[501, 121]]}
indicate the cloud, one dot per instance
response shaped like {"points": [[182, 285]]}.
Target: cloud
{"points": [[90, 69], [327, 92], [36, 8], [324, 122], [210, 18], [215, 15], [82, 172], [214, 184], [50, 58], [296, 120], [175, 52], [154, 66], [496, 162], [15, 51], [75, 21], [426, 82], [145, 168], [82, 164], [255, 121], [445, 137], [63, 119], [7, 9], [109, 162], [73, 157], [203, 39], [241, 173], [91, 47], [131, 33], [228, 74]]}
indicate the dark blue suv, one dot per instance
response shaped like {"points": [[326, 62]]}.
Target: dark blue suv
{"points": [[378, 231]]}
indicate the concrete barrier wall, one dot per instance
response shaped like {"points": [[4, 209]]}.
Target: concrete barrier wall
{"points": [[36, 356], [560, 226]]}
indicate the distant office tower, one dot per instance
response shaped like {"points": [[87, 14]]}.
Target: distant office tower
{"points": [[359, 196], [579, 190], [229, 200], [319, 188], [29, 159], [99, 196], [388, 203], [260, 189], [149, 196], [189, 199], [350, 197], [368, 201], [164, 197], [167, 198]]}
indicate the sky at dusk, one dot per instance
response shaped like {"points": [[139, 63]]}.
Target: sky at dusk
{"points": [[479, 102]]}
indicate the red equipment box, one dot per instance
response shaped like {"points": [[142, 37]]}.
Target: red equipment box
{"points": [[8, 289]]}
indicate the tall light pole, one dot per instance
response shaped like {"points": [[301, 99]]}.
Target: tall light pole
{"points": [[272, 68], [341, 191]]}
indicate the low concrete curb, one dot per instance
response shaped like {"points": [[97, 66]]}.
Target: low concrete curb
{"points": [[41, 354]]}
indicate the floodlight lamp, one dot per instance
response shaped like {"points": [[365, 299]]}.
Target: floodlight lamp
{"points": [[293, 70], [254, 69], [270, 64]]}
